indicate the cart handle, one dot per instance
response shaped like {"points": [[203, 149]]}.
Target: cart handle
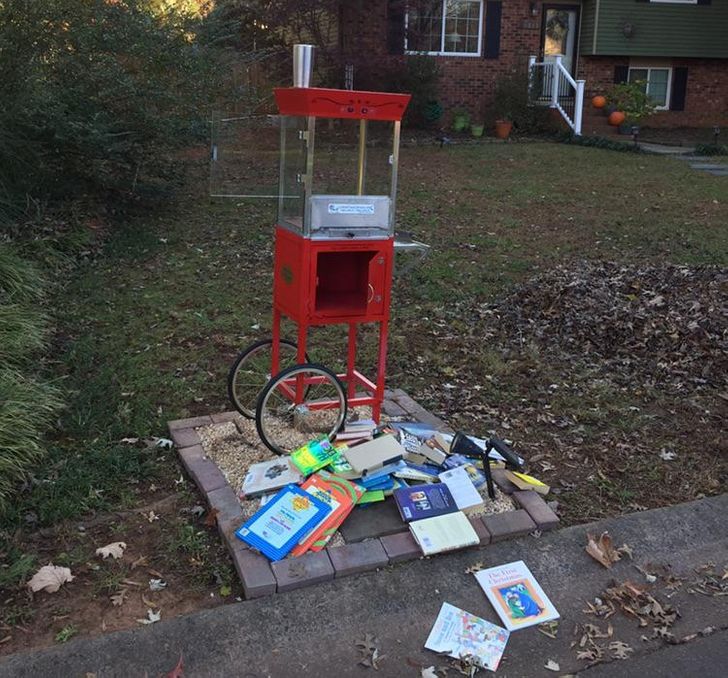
{"points": [[403, 242]]}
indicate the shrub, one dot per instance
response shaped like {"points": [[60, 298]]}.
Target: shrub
{"points": [[711, 149], [511, 102], [95, 94], [632, 99]]}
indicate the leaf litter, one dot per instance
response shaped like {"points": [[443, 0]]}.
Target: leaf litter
{"points": [[50, 578]]}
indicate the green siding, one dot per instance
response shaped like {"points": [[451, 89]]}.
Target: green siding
{"points": [[659, 30], [588, 20]]}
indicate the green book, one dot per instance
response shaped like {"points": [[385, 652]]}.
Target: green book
{"points": [[342, 468], [313, 456], [371, 496]]}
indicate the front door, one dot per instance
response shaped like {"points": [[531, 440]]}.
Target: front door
{"points": [[559, 35]]}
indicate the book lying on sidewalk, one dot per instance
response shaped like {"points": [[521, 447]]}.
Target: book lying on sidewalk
{"points": [[278, 526], [516, 595], [444, 533], [424, 501], [458, 633], [269, 476]]}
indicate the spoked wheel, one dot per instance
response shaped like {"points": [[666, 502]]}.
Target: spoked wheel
{"points": [[301, 403], [251, 372]]}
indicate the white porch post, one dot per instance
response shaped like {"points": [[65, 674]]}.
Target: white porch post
{"points": [[578, 106], [531, 75], [555, 77]]}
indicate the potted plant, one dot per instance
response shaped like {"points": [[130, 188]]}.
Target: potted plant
{"points": [[477, 129], [460, 120], [508, 98], [632, 100]]}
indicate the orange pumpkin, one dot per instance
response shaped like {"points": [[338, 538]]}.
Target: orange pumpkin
{"points": [[617, 118], [599, 101]]}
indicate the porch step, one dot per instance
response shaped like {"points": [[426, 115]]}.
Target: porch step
{"points": [[596, 124]]}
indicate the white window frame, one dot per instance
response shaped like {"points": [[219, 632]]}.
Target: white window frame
{"points": [[674, 2], [668, 92], [442, 35]]}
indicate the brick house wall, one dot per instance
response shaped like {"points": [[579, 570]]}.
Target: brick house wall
{"points": [[469, 82]]}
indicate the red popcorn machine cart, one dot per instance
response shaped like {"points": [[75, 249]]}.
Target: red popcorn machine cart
{"points": [[333, 258]]}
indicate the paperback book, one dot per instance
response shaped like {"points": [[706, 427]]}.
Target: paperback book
{"points": [[424, 501], [374, 454], [444, 533], [269, 476], [313, 456], [277, 527], [516, 595], [458, 633], [461, 487]]}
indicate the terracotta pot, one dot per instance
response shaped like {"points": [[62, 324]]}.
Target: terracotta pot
{"points": [[617, 118], [599, 101], [503, 128]]}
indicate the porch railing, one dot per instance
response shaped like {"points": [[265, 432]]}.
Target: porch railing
{"points": [[550, 83]]}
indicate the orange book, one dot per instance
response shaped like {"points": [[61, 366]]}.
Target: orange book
{"points": [[338, 493]]}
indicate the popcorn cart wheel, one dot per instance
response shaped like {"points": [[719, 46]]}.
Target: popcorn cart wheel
{"points": [[300, 403], [251, 371]]}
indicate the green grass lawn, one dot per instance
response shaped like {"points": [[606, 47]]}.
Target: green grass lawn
{"points": [[148, 329]]}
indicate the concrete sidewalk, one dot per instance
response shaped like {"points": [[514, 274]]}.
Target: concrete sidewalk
{"points": [[311, 632]]}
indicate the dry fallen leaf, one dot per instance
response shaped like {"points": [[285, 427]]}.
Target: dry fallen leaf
{"points": [[139, 562], [157, 584], [151, 516], [602, 549], [117, 600], [50, 578], [620, 650], [211, 517], [475, 567], [177, 671], [152, 617], [115, 550], [551, 665]]}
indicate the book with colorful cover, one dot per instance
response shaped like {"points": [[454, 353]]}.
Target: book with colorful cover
{"points": [[471, 466], [313, 456], [342, 468], [458, 633], [424, 501], [525, 482], [340, 495], [277, 527], [371, 496], [516, 595]]}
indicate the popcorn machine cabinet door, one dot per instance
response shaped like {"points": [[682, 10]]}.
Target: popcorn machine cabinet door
{"points": [[351, 281]]}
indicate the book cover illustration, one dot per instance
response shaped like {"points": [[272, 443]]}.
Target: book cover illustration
{"points": [[269, 476], [424, 501], [516, 596], [313, 456], [458, 633], [279, 525]]}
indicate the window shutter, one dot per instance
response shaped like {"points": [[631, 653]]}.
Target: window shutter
{"points": [[679, 88], [621, 73], [491, 39], [395, 26]]}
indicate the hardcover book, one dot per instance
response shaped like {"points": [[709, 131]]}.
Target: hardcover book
{"points": [[269, 476], [458, 633], [424, 501], [516, 595], [444, 533], [278, 526], [374, 454], [340, 495]]}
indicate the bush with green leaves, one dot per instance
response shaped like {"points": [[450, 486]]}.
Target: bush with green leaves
{"points": [[95, 95], [631, 99], [511, 102], [711, 149]]}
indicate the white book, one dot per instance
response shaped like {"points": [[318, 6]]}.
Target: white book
{"points": [[458, 633], [268, 476], [461, 487], [449, 532], [516, 595]]}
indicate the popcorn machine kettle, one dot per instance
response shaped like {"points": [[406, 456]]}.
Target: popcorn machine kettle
{"points": [[333, 258]]}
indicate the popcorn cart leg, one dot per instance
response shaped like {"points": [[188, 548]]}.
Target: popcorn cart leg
{"points": [[302, 336], [381, 369], [276, 347], [350, 377]]}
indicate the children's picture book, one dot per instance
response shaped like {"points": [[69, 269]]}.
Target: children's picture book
{"points": [[269, 476], [313, 455], [341, 467], [461, 487], [444, 533], [340, 495], [374, 454], [516, 595], [278, 526], [424, 501], [458, 633]]}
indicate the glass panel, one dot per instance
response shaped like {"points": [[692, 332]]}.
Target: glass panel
{"points": [[424, 26], [244, 156], [293, 169], [556, 32], [657, 87], [639, 76]]}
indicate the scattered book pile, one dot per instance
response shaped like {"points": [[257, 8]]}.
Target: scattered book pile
{"points": [[432, 477]]}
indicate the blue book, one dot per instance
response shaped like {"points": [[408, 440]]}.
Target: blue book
{"points": [[380, 474], [279, 525], [385, 483], [429, 469], [424, 501]]}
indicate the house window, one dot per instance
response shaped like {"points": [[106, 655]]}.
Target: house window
{"points": [[447, 27], [655, 82]]}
